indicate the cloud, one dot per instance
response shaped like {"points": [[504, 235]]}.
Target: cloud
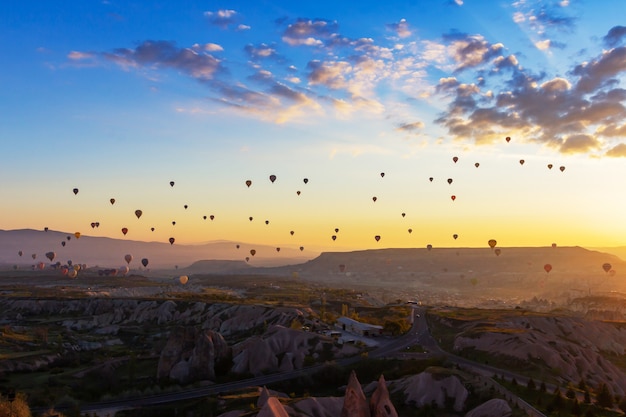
{"points": [[165, 54], [616, 35], [618, 151], [580, 143], [401, 28], [309, 32], [209, 47], [78, 56], [260, 51], [411, 127], [600, 71], [222, 18], [470, 51]]}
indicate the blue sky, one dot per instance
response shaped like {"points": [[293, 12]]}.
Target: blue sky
{"points": [[118, 99]]}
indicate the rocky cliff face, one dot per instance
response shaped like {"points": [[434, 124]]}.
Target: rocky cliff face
{"points": [[426, 389], [192, 354], [354, 402]]}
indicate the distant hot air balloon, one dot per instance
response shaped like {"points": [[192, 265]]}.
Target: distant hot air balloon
{"points": [[247, 258], [77, 235], [272, 178], [455, 236], [521, 162], [336, 230], [34, 255], [492, 243], [183, 279], [267, 222], [185, 206], [455, 159], [204, 217], [377, 238], [298, 192], [128, 258], [171, 183], [301, 248], [145, 262], [152, 229], [410, 231], [291, 232], [429, 246], [554, 245], [342, 268], [124, 230], [237, 246], [97, 224], [252, 252], [430, 179], [508, 138], [72, 273], [606, 267], [374, 199], [75, 190], [549, 166], [93, 225], [112, 201], [123, 270], [52, 255], [449, 180], [248, 183], [382, 175], [63, 243], [547, 268], [476, 164], [333, 237], [498, 251], [68, 237], [45, 229], [562, 168], [250, 218], [138, 213], [277, 249], [403, 214], [172, 240], [212, 217], [20, 253], [453, 197], [306, 180], [174, 223]]}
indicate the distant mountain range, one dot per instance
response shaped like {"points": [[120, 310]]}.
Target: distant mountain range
{"points": [[109, 253]]}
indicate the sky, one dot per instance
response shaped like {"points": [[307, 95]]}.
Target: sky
{"points": [[365, 100]]}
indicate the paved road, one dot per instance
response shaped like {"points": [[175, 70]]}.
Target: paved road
{"points": [[418, 334]]}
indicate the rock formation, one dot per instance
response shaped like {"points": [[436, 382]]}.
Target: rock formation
{"points": [[380, 404], [426, 388], [495, 407], [354, 402], [273, 408], [191, 354]]}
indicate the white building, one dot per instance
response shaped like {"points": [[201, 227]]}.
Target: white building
{"points": [[356, 327]]}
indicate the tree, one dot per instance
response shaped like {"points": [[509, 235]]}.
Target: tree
{"points": [[570, 393], [531, 385], [576, 410], [587, 399], [15, 407], [542, 387], [604, 398]]}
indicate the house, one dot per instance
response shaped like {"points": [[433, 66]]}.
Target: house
{"points": [[356, 327]]}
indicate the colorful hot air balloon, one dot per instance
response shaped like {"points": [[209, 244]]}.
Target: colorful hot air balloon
{"points": [[521, 162], [377, 238], [248, 183], [128, 258], [453, 197], [52, 255], [562, 168], [508, 138], [547, 268], [77, 235], [145, 262], [75, 190], [492, 243], [172, 240], [183, 279], [455, 159], [549, 166], [606, 267], [124, 230], [252, 252], [272, 178], [476, 164], [138, 213]]}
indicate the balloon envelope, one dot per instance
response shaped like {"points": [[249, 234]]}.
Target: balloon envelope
{"points": [[492, 243], [248, 183], [138, 213], [172, 240], [272, 178], [77, 235], [183, 279], [144, 262], [124, 230], [606, 267], [52, 255], [128, 258], [547, 267], [252, 252], [75, 190]]}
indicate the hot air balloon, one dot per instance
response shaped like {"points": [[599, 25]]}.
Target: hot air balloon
{"points": [[508, 138], [93, 225], [521, 162], [449, 180], [204, 217], [185, 206], [77, 235], [476, 164], [97, 224], [212, 217], [606, 267], [267, 222], [75, 190], [333, 237], [455, 236], [138, 213], [549, 166], [63, 243], [128, 258], [68, 238], [306, 180], [174, 223], [248, 183], [237, 246], [250, 218], [492, 243], [45, 229], [298, 192], [455, 159], [429, 246], [183, 279], [291, 232], [374, 199], [172, 240], [277, 249], [52, 255], [554, 245], [562, 168], [72, 273], [171, 183], [498, 251], [145, 262], [336, 230], [152, 229], [272, 178], [430, 179], [301, 248], [382, 175], [112, 201], [410, 231], [247, 258], [403, 214], [453, 197], [252, 252], [342, 268], [34, 255], [377, 238], [20, 253], [124, 230], [547, 268]]}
